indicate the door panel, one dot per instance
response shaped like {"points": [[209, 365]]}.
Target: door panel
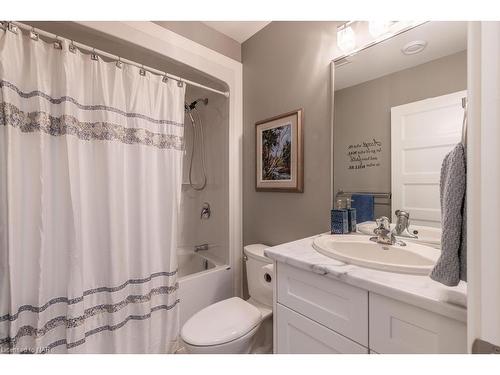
{"points": [[422, 133]]}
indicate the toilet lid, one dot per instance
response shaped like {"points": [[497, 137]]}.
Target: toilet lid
{"points": [[221, 322]]}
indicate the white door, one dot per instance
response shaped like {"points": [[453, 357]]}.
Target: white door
{"points": [[422, 133]]}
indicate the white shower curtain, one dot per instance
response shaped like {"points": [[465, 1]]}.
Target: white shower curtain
{"points": [[90, 179]]}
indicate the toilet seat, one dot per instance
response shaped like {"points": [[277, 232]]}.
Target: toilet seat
{"points": [[220, 323]]}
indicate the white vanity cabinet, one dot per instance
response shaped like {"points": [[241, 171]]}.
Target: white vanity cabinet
{"points": [[316, 314]]}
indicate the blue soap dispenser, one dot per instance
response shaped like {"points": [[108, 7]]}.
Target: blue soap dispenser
{"points": [[339, 219]]}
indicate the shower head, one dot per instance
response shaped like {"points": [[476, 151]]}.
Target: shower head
{"points": [[190, 107]]}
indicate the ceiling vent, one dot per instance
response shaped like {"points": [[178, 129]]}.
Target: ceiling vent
{"points": [[414, 47]]}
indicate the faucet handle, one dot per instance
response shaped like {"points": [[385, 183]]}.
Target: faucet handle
{"points": [[206, 211], [383, 223], [383, 226], [402, 213]]}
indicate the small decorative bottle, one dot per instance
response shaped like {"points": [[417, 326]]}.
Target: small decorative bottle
{"points": [[351, 217], [339, 219]]}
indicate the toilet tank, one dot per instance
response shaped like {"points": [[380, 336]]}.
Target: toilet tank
{"points": [[259, 274]]}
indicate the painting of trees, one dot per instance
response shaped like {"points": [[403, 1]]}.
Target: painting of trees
{"points": [[276, 153]]}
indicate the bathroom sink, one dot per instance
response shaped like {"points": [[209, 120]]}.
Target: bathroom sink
{"points": [[426, 235], [359, 250]]}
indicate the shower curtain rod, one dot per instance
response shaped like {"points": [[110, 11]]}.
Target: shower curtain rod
{"points": [[14, 26]]}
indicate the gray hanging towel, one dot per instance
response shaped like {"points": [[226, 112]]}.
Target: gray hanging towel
{"points": [[452, 264]]}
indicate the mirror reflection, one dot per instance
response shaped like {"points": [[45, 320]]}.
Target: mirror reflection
{"points": [[398, 111]]}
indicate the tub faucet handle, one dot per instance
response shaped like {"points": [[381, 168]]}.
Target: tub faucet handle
{"points": [[206, 211]]}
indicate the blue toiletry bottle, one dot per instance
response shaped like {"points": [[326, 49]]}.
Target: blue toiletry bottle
{"points": [[351, 216], [339, 220]]}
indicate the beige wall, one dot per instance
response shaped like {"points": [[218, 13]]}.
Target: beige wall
{"points": [[363, 112], [200, 33], [287, 66]]}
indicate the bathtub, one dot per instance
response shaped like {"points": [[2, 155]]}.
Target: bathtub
{"points": [[202, 282], [191, 263]]}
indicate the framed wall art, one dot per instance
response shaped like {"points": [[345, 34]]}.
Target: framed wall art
{"points": [[279, 153]]}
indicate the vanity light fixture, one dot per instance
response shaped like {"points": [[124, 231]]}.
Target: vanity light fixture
{"points": [[379, 28], [414, 47], [346, 39]]}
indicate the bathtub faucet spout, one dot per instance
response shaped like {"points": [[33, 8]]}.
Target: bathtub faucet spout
{"points": [[202, 247]]}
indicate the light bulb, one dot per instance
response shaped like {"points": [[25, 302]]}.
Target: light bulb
{"points": [[346, 39]]}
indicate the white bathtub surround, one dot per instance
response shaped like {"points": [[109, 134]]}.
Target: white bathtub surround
{"points": [[90, 168], [194, 230], [199, 288], [190, 262], [196, 272], [412, 289]]}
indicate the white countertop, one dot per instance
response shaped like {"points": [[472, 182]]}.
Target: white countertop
{"points": [[417, 290]]}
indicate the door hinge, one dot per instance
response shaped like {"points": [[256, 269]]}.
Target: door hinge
{"points": [[484, 347]]}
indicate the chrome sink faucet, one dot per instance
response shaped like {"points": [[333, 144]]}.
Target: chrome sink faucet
{"points": [[402, 225], [383, 232]]}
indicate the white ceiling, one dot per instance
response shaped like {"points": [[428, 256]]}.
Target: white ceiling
{"points": [[237, 30], [443, 38]]}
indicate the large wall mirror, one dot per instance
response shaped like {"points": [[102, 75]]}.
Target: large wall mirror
{"points": [[397, 113]]}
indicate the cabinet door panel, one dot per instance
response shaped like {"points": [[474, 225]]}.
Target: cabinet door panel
{"points": [[297, 334], [400, 328], [336, 305]]}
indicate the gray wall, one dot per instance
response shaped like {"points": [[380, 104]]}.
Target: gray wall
{"points": [[363, 112], [206, 36], [287, 66]]}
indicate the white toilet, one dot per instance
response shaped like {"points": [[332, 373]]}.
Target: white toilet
{"points": [[235, 326]]}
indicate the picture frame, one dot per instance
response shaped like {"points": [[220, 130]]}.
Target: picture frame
{"points": [[279, 153]]}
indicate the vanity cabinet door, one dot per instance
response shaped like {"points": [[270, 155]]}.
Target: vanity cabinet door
{"points": [[400, 328], [297, 334], [334, 304]]}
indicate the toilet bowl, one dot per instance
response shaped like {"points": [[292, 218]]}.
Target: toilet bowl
{"points": [[236, 326]]}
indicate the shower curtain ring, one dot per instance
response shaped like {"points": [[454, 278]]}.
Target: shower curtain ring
{"points": [[12, 28], [142, 71], [180, 83], [33, 34], [72, 47], [57, 43], [93, 55], [119, 63], [165, 78]]}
